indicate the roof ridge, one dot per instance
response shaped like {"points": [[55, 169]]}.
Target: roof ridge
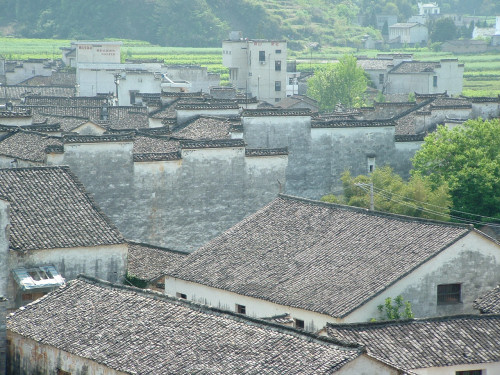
{"points": [[215, 310], [166, 249], [386, 323], [375, 213]]}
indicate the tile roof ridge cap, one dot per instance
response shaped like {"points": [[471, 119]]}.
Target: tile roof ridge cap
{"points": [[481, 233], [29, 131], [37, 167], [148, 293], [375, 213], [415, 108], [386, 323], [166, 249]]}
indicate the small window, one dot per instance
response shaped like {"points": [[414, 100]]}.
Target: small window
{"points": [[449, 294], [371, 165], [470, 372], [277, 86], [277, 65], [278, 51], [435, 81], [381, 78], [241, 309], [262, 56], [181, 295], [276, 100], [299, 324]]}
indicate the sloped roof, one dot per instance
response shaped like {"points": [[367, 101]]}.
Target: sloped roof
{"points": [[27, 145], [18, 91], [415, 67], [141, 332], [422, 343], [316, 256], [144, 144], [51, 209], [375, 64], [148, 262], [489, 303], [204, 127]]}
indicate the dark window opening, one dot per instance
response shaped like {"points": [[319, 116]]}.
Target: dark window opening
{"points": [[471, 372], [449, 294], [277, 86], [277, 65], [241, 309], [381, 78], [181, 295], [299, 324], [262, 55], [278, 51], [435, 81]]}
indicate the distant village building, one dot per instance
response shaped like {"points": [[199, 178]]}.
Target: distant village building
{"points": [[257, 67], [428, 9], [409, 33]]}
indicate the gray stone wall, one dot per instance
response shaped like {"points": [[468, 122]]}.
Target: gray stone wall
{"points": [[318, 157], [179, 204]]}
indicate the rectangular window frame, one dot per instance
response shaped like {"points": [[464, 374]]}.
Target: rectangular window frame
{"points": [[277, 85], [299, 323], [449, 294], [469, 372], [277, 65], [435, 81], [181, 295], [262, 56], [240, 309]]}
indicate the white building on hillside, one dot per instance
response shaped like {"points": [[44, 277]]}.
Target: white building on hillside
{"points": [[256, 66]]}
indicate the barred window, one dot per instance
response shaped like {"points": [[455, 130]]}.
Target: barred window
{"points": [[241, 309], [470, 372], [449, 293]]}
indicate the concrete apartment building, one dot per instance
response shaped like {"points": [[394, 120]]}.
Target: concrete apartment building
{"points": [[256, 66]]}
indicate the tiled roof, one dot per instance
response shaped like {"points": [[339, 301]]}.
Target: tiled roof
{"points": [[148, 262], [27, 145], [143, 332], [375, 64], [316, 256], [415, 67], [423, 343], [118, 137], [144, 144], [67, 123], [157, 156], [215, 143], [208, 105], [51, 209], [450, 103], [204, 127], [61, 79], [483, 99], [345, 123], [14, 114], [276, 112], [266, 151], [410, 137], [18, 92], [490, 302], [297, 100], [65, 101], [405, 25]]}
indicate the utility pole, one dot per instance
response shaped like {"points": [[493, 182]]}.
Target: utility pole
{"points": [[372, 202]]}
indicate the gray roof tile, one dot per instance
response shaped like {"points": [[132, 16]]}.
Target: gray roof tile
{"points": [[148, 262], [27, 145], [490, 302], [51, 209], [421, 343], [141, 332], [309, 254]]}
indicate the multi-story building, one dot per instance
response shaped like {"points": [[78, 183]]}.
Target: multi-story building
{"points": [[256, 66]]}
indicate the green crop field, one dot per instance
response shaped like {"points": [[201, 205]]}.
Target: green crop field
{"points": [[481, 73]]}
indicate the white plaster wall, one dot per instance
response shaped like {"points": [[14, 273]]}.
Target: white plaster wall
{"points": [[30, 357], [439, 115], [6, 162], [408, 146], [28, 70], [485, 110], [450, 77], [354, 132], [142, 82], [488, 369], [399, 83], [366, 365], [4, 245], [90, 148], [104, 262], [151, 168], [254, 307], [424, 277], [92, 81], [16, 121], [201, 154], [258, 165], [155, 122]]}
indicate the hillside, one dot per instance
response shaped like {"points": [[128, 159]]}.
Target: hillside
{"points": [[204, 23]]}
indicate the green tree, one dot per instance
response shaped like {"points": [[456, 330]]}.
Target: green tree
{"points": [[418, 197], [443, 29], [395, 309], [468, 159], [340, 83]]}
